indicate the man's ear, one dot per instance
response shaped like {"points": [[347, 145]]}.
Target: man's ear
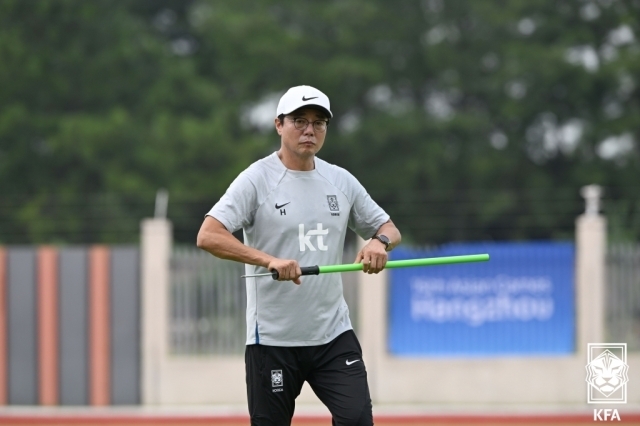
{"points": [[278, 126]]}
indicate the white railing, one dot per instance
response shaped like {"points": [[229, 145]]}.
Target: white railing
{"points": [[623, 294], [207, 304]]}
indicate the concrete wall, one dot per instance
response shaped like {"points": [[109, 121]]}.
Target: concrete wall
{"points": [[494, 381]]}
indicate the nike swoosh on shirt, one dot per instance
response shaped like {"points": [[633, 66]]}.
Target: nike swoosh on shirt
{"points": [[351, 362], [308, 99], [282, 205]]}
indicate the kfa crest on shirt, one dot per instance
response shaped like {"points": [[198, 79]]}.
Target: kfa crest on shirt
{"points": [[334, 207]]}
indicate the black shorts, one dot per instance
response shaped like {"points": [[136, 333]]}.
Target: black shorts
{"points": [[335, 371]]}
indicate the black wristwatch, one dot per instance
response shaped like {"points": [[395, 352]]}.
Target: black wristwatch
{"points": [[384, 240]]}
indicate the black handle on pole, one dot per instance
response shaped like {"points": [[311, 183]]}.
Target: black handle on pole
{"points": [[306, 270]]}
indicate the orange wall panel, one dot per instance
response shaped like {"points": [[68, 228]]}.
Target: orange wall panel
{"points": [[99, 344], [48, 325]]}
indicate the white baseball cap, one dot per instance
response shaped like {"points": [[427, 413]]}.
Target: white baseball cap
{"points": [[303, 96]]}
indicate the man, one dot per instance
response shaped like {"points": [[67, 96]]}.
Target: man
{"points": [[294, 209]]}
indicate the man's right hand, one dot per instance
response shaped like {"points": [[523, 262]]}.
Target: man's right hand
{"points": [[288, 270]]}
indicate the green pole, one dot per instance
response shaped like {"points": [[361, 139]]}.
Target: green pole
{"points": [[429, 261]]}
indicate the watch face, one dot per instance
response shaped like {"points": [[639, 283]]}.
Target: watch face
{"points": [[384, 240]]}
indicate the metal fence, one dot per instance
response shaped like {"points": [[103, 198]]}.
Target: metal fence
{"points": [[208, 301], [623, 294]]}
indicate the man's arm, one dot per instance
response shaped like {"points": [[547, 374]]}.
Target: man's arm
{"points": [[374, 255], [217, 240]]}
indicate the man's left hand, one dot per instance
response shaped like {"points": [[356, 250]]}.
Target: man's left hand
{"points": [[373, 257]]}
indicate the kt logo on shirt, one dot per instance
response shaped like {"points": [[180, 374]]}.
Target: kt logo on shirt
{"points": [[305, 238]]}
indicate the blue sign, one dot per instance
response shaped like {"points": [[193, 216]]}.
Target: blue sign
{"points": [[520, 302]]}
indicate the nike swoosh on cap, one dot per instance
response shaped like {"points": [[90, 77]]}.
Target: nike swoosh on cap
{"points": [[351, 362], [308, 99], [282, 205]]}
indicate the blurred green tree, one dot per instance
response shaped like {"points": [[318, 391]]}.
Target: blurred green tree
{"points": [[465, 120]]}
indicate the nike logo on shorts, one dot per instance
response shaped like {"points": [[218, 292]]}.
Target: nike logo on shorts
{"points": [[282, 205], [351, 362]]}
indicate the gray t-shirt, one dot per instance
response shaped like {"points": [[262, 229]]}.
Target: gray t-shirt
{"points": [[303, 216]]}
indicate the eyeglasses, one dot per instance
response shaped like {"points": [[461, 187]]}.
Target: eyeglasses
{"points": [[302, 123]]}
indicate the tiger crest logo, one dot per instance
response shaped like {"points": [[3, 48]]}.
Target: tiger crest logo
{"points": [[607, 373], [276, 378]]}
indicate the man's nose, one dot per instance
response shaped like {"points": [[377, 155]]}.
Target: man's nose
{"points": [[309, 129]]}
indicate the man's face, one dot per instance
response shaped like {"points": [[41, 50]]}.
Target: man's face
{"points": [[302, 143]]}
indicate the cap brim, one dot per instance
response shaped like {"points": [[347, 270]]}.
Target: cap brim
{"points": [[313, 106]]}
